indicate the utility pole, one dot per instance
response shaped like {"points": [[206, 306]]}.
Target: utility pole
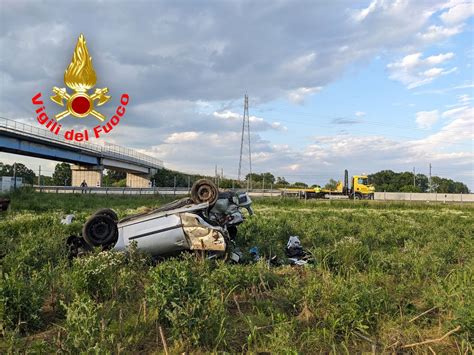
{"points": [[414, 177], [430, 184], [14, 176], [246, 124], [39, 176]]}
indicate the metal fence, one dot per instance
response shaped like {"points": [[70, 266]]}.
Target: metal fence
{"points": [[168, 191], [181, 191], [107, 150]]}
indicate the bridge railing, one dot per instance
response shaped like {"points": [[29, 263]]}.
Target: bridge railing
{"points": [[107, 150]]}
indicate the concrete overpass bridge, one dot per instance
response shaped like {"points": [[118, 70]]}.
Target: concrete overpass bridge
{"points": [[89, 160]]}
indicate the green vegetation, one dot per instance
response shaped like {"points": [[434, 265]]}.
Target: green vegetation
{"points": [[378, 268], [62, 175], [387, 180]]}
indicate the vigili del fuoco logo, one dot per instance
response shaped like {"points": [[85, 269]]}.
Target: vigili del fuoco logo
{"points": [[80, 76]]}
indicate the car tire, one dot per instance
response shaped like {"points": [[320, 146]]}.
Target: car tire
{"points": [[100, 230], [204, 190], [107, 212]]}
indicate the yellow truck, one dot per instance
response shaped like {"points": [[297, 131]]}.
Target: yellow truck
{"points": [[360, 189]]}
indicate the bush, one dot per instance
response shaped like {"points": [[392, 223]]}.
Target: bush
{"points": [[187, 301]]}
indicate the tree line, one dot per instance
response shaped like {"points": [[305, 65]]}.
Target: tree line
{"points": [[390, 181], [385, 180]]}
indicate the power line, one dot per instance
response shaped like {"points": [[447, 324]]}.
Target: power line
{"points": [[246, 124]]}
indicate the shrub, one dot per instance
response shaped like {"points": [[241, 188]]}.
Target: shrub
{"points": [[187, 301]]}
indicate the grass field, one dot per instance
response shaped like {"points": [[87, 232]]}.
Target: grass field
{"points": [[388, 277]]}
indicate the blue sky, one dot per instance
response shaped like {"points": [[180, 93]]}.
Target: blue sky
{"points": [[365, 85]]}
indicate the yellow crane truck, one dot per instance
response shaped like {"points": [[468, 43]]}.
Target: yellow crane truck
{"points": [[360, 189]]}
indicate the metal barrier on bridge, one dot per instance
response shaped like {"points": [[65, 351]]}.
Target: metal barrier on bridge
{"points": [[107, 150]]}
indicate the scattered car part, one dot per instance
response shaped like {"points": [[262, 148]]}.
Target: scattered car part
{"points": [[4, 203], [295, 252], [254, 254], [68, 219], [76, 246]]}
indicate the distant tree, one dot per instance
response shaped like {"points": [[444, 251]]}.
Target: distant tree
{"points": [[21, 170], [167, 178], [229, 183], [120, 183], [444, 185], [390, 181], [62, 174], [281, 182], [46, 180], [383, 180], [422, 182], [254, 177], [331, 185], [113, 177], [299, 184], [268, 177]]}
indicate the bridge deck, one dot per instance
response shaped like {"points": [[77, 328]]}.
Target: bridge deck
{"points": [[47, 138]]}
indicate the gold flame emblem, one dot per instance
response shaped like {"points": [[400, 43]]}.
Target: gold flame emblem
{"points": [[80, 76]]}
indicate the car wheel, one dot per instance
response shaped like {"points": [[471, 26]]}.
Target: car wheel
{"points": [[204, 191], [107, 212], [100, 230]]}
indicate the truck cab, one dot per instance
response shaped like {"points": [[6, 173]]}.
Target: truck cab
{"points": [[361, 189]]}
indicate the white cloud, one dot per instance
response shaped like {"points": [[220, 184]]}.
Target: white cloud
{"points": [[458, 13], [180, 137], [293, 167], [362, 14], [439, 33], [425, 119], [413, 70], [464, 99], [257, 123], [360, 113], [298, 96], [439, 59], [459, 129], [301, 63], [454, 112], [433, 72]]}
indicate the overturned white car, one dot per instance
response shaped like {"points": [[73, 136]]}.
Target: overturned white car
{"points": [[207, 221]]}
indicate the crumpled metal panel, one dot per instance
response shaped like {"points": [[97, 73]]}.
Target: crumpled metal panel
{"points": [[201, 235]]}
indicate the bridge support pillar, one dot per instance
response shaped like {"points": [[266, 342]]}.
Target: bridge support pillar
{"points": [[138, 180], [92, 176]]}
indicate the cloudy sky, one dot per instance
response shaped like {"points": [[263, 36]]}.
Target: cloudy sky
{"points": [[362, 85]]}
